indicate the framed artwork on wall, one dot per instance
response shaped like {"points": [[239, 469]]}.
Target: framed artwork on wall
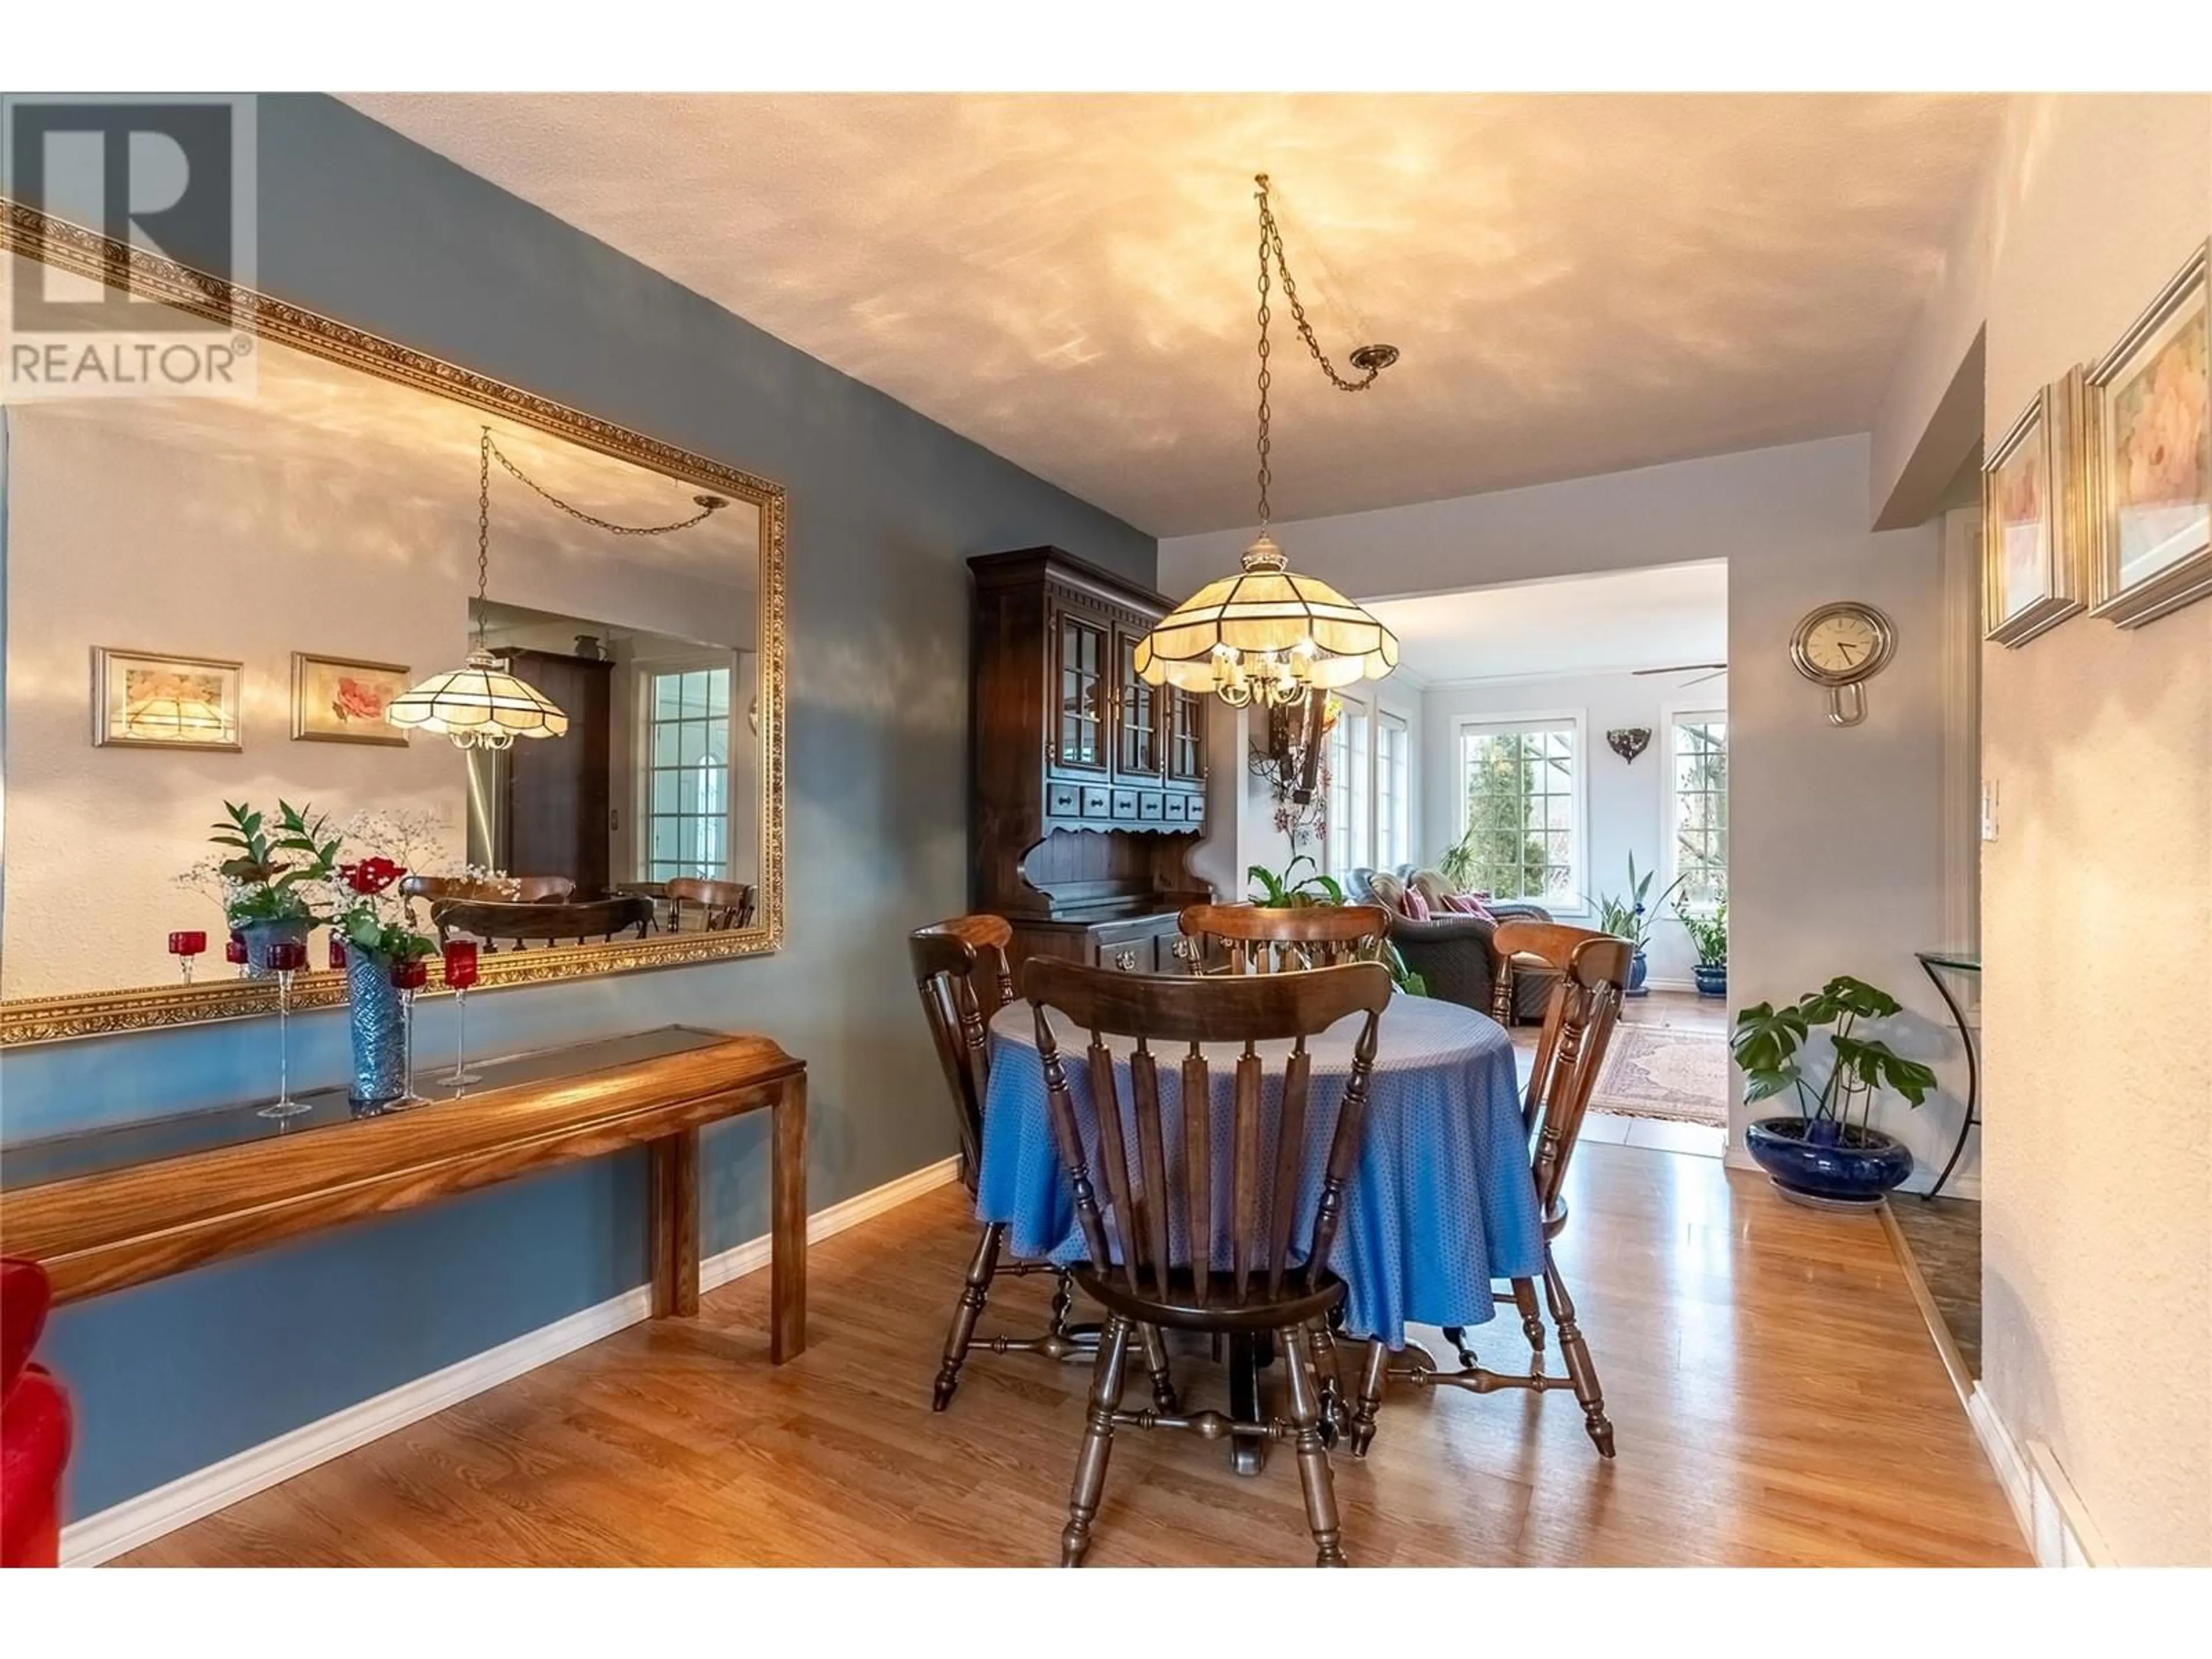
{"points": [[2033, 575], [2149, 415], [156, 700], [340, 700]]}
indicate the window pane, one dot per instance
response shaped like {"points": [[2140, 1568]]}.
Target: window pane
{"points": [[665, 748], [668, 690], [664, 839], [695, 693], [664, 792], [717, 691], [692, 744]]}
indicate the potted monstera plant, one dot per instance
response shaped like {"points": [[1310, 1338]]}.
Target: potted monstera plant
{"points": [[1821, 1155]]}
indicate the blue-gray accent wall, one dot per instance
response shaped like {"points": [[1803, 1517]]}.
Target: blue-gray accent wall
{"points": [[364, 225]]}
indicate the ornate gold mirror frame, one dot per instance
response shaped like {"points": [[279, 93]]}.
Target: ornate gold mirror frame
{"points": [[28, 233]]}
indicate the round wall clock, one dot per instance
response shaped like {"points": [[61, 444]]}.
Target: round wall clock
{"points": [[1842, 645]]}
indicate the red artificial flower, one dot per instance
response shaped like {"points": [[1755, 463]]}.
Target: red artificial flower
{"points": [[371, 876]]}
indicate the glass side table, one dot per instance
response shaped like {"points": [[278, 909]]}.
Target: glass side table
{"points": [[1935, 964]]}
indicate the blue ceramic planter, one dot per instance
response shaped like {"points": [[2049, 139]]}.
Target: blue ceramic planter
{"points": [[1712, 979], [1812, 1160], [1639, 970]]}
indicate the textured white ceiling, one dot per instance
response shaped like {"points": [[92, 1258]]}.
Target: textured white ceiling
{"points": [[1651, 618], [1580, 284]]}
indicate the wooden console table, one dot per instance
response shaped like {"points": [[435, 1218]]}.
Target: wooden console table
{"points": [[112, 1207]]}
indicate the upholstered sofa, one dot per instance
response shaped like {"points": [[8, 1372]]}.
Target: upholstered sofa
{"points": [[1453, 953]]}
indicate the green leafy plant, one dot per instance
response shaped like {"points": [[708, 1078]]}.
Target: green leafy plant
{"points": [[1401, 972], [1273, 891], [1630, 917], [1708, 933], [1769, 1043], [264, 876]]}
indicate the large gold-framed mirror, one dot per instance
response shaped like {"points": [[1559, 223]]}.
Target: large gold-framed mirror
{"points": [[214, 600]]}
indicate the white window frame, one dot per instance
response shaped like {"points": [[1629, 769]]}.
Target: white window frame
{"points": [[1579, 903], [1356, 793], [1670, 715], [1400, 832], [644, 674]]}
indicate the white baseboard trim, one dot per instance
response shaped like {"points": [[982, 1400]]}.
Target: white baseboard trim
{"points": [[2050, 1512], [140, 1520]]}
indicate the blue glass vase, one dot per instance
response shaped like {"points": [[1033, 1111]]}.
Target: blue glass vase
{"points": [[375, 1019]]}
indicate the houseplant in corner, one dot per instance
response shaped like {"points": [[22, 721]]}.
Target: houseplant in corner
{"points": [[1820, 1156], [1708, 937], [1630, 918]]}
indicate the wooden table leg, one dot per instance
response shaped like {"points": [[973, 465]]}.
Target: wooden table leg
{"points": [[676, 1225], [787, 1229]]}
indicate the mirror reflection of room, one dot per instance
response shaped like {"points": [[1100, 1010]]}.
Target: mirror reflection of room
{"points": [[217, 602]]}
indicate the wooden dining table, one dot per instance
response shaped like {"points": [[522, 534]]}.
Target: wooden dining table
{"points": [[1441, 1204]]}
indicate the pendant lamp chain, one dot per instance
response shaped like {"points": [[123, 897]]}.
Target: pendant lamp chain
{"points": [[709, 505], [1369, 361]]}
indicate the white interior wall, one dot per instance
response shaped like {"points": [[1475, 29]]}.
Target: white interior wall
{"points": [[1833, 833], [1627, 807], [2096, 914]]}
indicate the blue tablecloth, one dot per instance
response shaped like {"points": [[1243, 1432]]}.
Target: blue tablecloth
{"points": [[1442, 1203]]}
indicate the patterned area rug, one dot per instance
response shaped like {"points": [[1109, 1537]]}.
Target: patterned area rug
{"points": [[1664, 1071]]}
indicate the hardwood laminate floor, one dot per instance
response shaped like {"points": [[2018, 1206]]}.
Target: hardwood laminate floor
{"points": [[1776, 1396]]}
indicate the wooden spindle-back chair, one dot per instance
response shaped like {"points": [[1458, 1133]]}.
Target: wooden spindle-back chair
{"points": [[1156, 1247], [722, 905], [1585, 1004], [960, 966], [1257, 939]]}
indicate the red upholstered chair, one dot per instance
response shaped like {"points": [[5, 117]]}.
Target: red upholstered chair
{"points": [[34, 1425]]}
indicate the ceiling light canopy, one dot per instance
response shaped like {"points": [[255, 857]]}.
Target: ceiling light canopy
{"points": [[1265, 633]]}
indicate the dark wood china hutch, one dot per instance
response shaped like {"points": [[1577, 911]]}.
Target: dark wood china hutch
{"points": [[1088, 786]]}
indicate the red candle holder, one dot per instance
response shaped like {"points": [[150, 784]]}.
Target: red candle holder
{"points": [[234, 952], [410, 975], [460, 962], [285, 957], [337, 953], [185, 946]]}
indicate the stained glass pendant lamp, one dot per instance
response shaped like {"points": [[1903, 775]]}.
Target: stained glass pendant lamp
{"points": [[481, 705], [1264, 633]]}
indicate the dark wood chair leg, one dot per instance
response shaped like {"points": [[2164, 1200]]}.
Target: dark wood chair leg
{"points": [[1532, 1322], [1371, 1397], [1156, 1362], [1063, 1303], [1581, 1374], [1097, 1441], [1457, 1335], [973, 1292], [1335, 1408], [1312, 1457]]}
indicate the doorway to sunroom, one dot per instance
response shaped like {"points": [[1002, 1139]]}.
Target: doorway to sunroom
{"points": [[1559, 749]]}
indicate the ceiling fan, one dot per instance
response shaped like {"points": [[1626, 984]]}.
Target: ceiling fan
{"points": [[1715, 669]]}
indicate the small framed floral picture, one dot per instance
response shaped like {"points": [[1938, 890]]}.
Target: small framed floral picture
{"points": [[339, 700], [153, 700], [2032, 531], [2149, 406]]}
